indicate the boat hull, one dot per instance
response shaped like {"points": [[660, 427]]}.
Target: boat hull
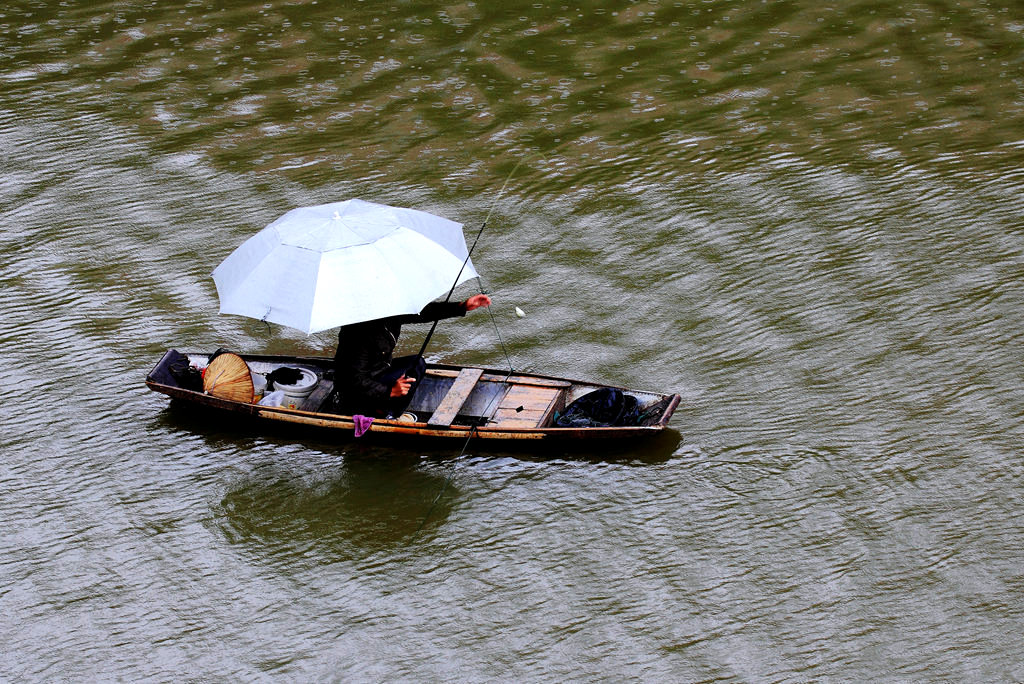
{"points": [[500, 407]]}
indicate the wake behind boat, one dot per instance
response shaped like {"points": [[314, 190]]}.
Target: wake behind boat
{"points": [[450, 401]]}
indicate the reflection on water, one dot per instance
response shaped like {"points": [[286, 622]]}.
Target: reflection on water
{"points": [[367, 505]]}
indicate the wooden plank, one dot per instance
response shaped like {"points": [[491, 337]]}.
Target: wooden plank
{"points": [[317, 396], [449, 407], [526, 406], [514, 379], [539, 382], [528, 396], [510, 418], [443, 372]]}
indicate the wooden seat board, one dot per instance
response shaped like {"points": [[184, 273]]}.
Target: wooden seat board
{"points": [[449, 407]]}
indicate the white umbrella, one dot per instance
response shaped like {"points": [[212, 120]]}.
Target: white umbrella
{"points": [[321, 267]]}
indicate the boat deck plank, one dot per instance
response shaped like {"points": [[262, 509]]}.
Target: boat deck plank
{"points": [[449, 407], [527, 406]]}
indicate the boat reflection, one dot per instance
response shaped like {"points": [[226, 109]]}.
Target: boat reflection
{"points": [[365, 505]]}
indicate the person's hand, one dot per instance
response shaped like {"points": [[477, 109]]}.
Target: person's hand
{"points": [[402, 386], [476, 301]]}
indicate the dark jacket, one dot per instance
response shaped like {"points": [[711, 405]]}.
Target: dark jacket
{"points": [[365, 351]]}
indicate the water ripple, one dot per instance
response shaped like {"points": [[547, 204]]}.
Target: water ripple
{"points": [[805, 219]]}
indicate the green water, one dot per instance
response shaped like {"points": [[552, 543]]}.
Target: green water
{"points": [[805, 218]]}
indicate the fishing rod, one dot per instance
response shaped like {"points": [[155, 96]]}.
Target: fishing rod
{"points": [[480, 232]]}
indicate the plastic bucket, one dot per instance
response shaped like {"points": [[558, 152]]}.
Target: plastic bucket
{"points": [[296, 393]]}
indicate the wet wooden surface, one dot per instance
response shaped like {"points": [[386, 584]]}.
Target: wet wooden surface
{"points": [[527, 406], [456, 397]]}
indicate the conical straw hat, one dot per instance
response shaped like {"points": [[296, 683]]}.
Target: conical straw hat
{"points": [[227, 377]]}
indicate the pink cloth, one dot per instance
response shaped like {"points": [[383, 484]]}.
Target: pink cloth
{"points": [[363, 424]]}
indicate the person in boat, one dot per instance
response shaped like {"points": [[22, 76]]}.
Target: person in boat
{"points": [[367, 379]]}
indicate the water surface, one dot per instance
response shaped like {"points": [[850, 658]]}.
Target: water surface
{"points": [[803, 217]]}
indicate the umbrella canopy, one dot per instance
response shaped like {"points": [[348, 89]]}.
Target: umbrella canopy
{"points": [[321, 267]]}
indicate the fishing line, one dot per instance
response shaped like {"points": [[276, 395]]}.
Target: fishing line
{"points": [[451, 473], [494, 322], [480, 232], [473, 429]]}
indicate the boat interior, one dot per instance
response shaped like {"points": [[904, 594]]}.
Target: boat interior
{"points": [[449, 395]]}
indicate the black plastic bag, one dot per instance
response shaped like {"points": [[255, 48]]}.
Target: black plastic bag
{"points": [[605, 407], [283, 375], [176, 371]]}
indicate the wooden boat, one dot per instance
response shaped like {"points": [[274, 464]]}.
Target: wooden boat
{"points": [[450, 402]]}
